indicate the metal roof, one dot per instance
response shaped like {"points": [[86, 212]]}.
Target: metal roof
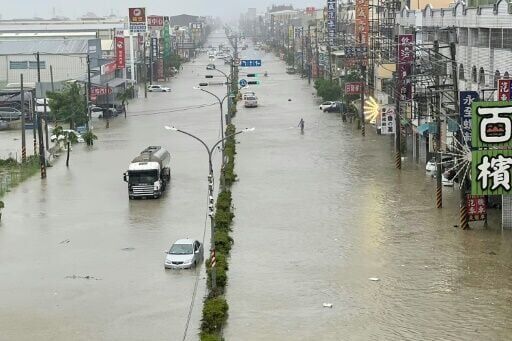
{"points": [[62, 47]]}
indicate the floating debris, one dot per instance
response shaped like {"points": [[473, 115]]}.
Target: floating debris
{"points": [[374, 279], [327, 305], [128, 249], [65, 241], [83, 277]]}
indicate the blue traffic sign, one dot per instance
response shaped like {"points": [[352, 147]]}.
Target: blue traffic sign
{"points": [[250, 62], [243, 83]]}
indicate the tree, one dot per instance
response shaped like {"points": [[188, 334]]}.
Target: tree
{"points": [[68, 105], [124, 96], [327, 90], [65, 137], [1, 207]]}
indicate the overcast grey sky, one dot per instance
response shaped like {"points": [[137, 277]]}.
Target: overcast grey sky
{"points": [[76, 8]]}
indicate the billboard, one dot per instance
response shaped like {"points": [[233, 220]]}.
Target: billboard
{"points": [[137, 18], [492, 148], [362, 27], [120, 53], [405, 58], [155, 22]]}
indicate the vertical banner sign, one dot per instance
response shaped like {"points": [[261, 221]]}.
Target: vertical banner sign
{"points": [[137, 19], [362, 22], [167, 42], [466, 98], [331, 22], [154, 48], [504, 90], [120, 53], [405, 58], [387, 120], [477, 207], [492, 148]]}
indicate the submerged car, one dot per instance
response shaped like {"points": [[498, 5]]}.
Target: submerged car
{"points": [[251, 102], [326, 105], [158, 88], [184, 254], [446, 162]]}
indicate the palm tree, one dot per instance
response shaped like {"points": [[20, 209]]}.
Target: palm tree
{"points": [[124, 96]]}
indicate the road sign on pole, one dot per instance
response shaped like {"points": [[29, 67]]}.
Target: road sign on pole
{"points": [[243, 83], [250, 62]]}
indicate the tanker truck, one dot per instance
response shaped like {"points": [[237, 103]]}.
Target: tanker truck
{"points": [[149, 173]]}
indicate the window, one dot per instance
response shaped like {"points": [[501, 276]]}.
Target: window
{"points": [[507, 38], [33, 65], [463, 36], [24, 65], [496, 38], [15, 65], [473, 37], [483, 37], [461, 72], [481, 76], [473, 74]]}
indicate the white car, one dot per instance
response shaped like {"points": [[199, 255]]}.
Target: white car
{"points": [[251, 102], [158, 88], [184, 254], [325, 105], [79, 137], [446, 162]]}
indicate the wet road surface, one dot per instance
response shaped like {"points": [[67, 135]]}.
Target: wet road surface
{"points": [[319, 214], [79, 222]]}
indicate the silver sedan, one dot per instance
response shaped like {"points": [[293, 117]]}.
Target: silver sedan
{"points": [[184, 254]]}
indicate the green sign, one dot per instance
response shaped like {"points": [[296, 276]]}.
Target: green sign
{"points": [[491, 125], [491, 172], [167, 42]]}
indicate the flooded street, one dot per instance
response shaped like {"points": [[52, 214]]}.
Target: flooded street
{"points": [[319, 214]]}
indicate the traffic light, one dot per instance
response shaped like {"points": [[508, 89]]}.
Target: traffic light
{"points": [[208, 76], [203, 84], [252, 75], [253, 82]]}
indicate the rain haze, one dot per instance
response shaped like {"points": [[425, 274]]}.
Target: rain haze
{"points": [[74, 9]]}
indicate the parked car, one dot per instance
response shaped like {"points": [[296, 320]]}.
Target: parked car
{"points": [[336, 107], [184, 254], [249, 94], [158, 88], [446, 162], [79, 137], [326, 105], [9, 114], [251, 102], [210, 67]]}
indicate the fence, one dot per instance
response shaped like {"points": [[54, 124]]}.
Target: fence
{"points": [[13, 173]]}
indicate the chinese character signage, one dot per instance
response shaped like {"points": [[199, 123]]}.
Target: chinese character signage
{"points": [[108, 68], [466, 98], [120, 53], [137, 19], [490, 172], [492, 125], [405, 58], [504, 90], [331, 22], [155, 22], [167, 41], [310, 10], [362, 22], [353, 88], [492, 132], [154, 48], [387, 120], [476, 207]]}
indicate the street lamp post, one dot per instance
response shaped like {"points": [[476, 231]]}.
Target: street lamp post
{"points": [[210, 189]]}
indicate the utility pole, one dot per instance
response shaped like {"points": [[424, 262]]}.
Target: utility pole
{"points": [[37, 119], [437, 112], [293, 46], [88, 90], [302, 49], [145, 70], [329, 57], [23, 138], [151, 51], [317, 52], [464, 219], [309, 54], [363, 85], [108, 109]]}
